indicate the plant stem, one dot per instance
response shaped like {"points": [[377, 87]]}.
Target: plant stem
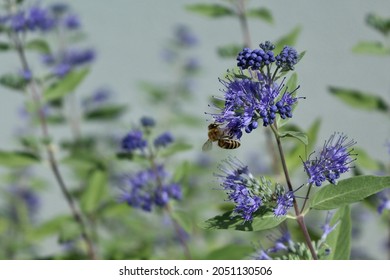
{"points": [[177, 227], [36, 95], [300, 218], [306, 197], [243, 23]]}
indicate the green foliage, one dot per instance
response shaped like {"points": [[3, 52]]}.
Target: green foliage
{"points": [[95, 192], [4, 46], [359, 99], [261, 13], [348, 191], [295, 134], [175, 148], [372, 48], [293, 156], [289, 39], [230, 252], [229, 51], [229, 221], [13, 81], [379, 23], [366, 161], [65, 86], [105, 113], [17, 159], [183, 219], [339, 240], [210, 10], [38, 45]]}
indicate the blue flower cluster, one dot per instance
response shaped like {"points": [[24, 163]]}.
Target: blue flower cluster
{"points": [[148, 187], [37, 18], [257, 58], [287, 58], [254, 94], [249, 194], [65, 61], [334, 159], [249, 99], [153, 185]]}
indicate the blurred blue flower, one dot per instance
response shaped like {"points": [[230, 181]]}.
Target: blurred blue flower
{"points": [[72, 22], [65, 61], [384, 201], [149, 187], [163, 140], [133, 141], [147, 122], [326, 228], [184, 36], [334, 159]]}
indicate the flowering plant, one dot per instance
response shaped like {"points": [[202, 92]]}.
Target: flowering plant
{"points": [[137, 185]]}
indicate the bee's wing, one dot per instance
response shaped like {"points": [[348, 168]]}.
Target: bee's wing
{"points": [[207, 145]]}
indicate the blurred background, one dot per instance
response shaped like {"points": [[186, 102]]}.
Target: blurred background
{"points": [[131, 40]]}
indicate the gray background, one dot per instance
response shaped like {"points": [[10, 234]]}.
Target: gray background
{"points": [[129, 36]]}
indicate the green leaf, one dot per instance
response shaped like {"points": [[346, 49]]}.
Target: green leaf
{"points": [[293, 157], [4, 46], [65, 86], [18, 159], [295, 134], [288, 40], [229, 51], [95, 192], [373, 48], [348, 191], [379, 23], [183, 219], [210, 10], [292, 82], [38, 45], [261, 13], [229, 221], [55, 119], [175, 148], [69, 231], [12, 81], [50, 227], [230, 252], [339, 239], [364, 160], [359, 99], [107, 112], [156, 92]]}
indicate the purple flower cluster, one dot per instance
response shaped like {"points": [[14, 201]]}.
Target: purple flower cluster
{"points": [[334, 159], [64, 62], [148, 187], [257, 58], [153, 185], [287, 58], [135, 139], [254, 94], [249, 99], [37, 18], [249, 194]]}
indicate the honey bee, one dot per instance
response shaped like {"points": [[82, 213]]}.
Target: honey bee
{"points": [[219, 135]]}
